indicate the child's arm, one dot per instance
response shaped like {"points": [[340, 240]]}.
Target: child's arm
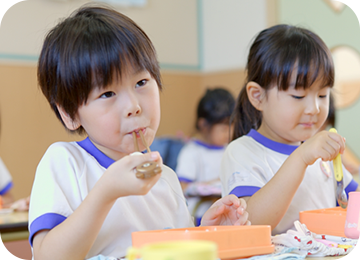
{"points": [[73, 238], [270, 203], [228, 210]]}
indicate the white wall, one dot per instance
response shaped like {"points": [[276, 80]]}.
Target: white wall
{"points": [[195, 35], [228, 27]]}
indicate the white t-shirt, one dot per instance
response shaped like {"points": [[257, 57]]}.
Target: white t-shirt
{"points": [[199, 162], [250, 161], [66, 174], [5, 179]]}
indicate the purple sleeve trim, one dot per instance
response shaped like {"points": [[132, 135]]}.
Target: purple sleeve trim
{"points": [[181, 179], [244, 191], [6, 189], [351, 187], [46, 221]]}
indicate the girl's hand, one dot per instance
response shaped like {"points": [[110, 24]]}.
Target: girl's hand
{"points": [[324, 145], [120, 179], [229, 210]]}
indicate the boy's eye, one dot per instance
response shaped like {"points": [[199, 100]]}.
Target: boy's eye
{"points": [[107, 94], [322, 96], [141, 83]]}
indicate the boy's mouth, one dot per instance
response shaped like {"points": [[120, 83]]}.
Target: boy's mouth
{"points": [[137, 131]]}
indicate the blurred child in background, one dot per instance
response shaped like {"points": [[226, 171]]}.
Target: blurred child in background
{"points": [[198, 165]]}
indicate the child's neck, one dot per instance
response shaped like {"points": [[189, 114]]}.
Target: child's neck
{"points": [[203, 139], [274, 137]]}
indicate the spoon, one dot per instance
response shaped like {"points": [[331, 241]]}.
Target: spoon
{"points": [[147, 169], [340, 191]]}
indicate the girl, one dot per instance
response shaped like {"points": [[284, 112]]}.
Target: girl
{"points": [[284, 103]]}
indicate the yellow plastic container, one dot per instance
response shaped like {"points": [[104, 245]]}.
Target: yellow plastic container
{"points": [[232, 241], [175, 250]]}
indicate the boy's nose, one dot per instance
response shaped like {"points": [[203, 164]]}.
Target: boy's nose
{"points": [[132, 106], [135, 111]]}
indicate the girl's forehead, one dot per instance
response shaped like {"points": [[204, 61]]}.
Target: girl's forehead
{"points": [[308, 77]]}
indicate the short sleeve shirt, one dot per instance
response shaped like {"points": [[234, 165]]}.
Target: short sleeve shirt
{"points": [[250, 161], [199, 162], [66, 174], [5, 179]]}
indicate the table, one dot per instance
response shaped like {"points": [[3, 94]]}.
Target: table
{"points": [[14, 226]]}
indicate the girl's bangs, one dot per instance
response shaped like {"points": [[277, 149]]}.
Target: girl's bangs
{"points": [[311, 62]]}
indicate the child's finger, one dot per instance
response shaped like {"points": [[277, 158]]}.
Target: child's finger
{"points": [[137, 158], [242, 204], [334, 147], [339, 140], [231, 200], [243, 219]]}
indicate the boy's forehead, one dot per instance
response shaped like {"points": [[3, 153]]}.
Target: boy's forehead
{"points": [[119, 75]]}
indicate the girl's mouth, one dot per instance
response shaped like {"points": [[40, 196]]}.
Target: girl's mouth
{"points": [[307, 125]]}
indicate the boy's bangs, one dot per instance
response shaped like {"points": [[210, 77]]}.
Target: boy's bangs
{"points": [[112, 57]]}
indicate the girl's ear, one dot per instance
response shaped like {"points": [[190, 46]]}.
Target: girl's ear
{"points": [[255, 94], [68, 121]]}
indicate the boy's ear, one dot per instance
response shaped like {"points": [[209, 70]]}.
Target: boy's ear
{"points": [[255, 94], [68, 121]]}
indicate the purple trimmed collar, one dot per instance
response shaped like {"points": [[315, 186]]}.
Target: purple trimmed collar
{"points": [[275, 146], [88, 146], [209, 146]]}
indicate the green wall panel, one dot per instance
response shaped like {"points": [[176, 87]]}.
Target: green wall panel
{"points": [[336, 29]]}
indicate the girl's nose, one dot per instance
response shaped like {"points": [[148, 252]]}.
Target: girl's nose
{"points": [[312, 107]]}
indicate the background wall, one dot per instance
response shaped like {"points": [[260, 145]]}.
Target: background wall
{"points": [[177, 30], [200, 44]]}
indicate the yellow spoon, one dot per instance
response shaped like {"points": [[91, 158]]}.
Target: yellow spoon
{"points": [[337, 163], [338, 172]]}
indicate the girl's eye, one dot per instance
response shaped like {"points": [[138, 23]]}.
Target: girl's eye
{"points": [[322, 96], [107, 94], [297, 97], [141, 83]]}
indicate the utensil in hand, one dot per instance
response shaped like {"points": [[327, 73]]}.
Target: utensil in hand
{"points": [[338, 173], [147, 169]]}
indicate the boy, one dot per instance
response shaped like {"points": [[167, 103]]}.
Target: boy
{"points": [[99, 72]]}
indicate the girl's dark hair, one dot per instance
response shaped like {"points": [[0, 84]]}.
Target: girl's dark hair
{"points": [[88, 50], [216, 106], [274, 54], [330, 120]]}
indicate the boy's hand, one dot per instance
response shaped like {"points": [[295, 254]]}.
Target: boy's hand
{"points": [[324, 145], [229, 210], [120, 179]]}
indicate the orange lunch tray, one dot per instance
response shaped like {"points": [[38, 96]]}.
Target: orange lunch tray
{"points": [[232, 241], [329, 221]]}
